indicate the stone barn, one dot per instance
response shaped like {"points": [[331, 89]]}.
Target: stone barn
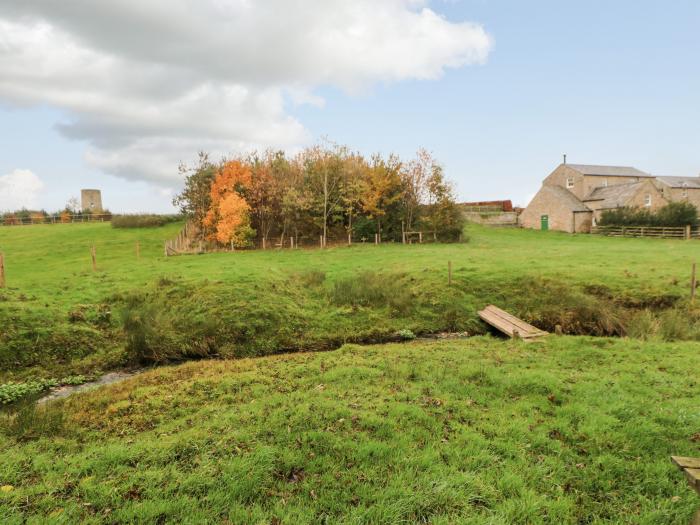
{"points": [[574, 196]]}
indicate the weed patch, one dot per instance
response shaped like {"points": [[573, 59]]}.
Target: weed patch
{"points": [[371, 289], [29, 422]]}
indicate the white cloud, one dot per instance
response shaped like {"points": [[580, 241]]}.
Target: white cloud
{"points": [[19, 189], [147, 84]]}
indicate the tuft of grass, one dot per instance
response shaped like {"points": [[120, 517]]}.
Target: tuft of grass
{"points": [[371, 289], [29, 422], [311, 278]]}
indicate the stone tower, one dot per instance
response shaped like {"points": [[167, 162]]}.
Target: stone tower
{"points": [[91, 200]]}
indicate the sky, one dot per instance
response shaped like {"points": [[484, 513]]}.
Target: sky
{"points": [[115, 94]]}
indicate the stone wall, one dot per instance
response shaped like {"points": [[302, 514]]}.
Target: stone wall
{"points": [[498, 218]]}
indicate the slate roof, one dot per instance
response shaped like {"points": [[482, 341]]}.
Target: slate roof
{"points": [[681, 182], [566, 196], [615, 196], [609, 171]]}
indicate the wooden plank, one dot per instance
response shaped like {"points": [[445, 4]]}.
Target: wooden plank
{"points": [[685, 462], [509, 324], [693, 475], [524, 328]]}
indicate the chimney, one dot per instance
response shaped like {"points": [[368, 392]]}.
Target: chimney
{"points": [[565, 158]]}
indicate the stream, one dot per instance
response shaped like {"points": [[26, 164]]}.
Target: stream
{"points": [[68, 390]]}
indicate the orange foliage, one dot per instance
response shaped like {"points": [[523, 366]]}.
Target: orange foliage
{"points": [[228, 218], [233, 176], [234, 220], [65, 216]]}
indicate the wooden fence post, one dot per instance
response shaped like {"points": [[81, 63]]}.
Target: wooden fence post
{"points": [[138, 249], [693, 282], [263, 243], [687, 232], [420, 237], [449, 273], [93, 254], [2, 270], [349, 239]]}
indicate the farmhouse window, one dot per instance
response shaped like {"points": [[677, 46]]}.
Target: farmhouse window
{"points": [[570, 182], [647, 200], [605, 183]]}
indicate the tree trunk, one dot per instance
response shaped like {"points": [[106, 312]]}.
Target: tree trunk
{"points": [[325, 204]]}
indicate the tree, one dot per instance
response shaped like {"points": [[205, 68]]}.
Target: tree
{"points": [[266, 190], [354, 171], [415, 175], [323, 183], [73, 205], [232, 178], [382, 187], [195, 199], [233, 225], [443, 215]]}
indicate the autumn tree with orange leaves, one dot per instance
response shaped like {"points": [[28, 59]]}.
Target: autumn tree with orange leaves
{"points": [[228, 219]]}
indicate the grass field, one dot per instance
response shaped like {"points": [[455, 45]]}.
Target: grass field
{"points": [[573, 429], [59, 318], [569, 430]]}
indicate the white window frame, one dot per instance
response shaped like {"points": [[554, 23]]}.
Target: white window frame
{"points": [[647, 200], [605, 183], [569, 183]]}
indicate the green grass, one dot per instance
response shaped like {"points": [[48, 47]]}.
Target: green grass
{"points": [[60, 318], [565, 431]]}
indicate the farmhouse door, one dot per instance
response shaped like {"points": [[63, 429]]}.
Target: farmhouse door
{"points": [[544, 222]]}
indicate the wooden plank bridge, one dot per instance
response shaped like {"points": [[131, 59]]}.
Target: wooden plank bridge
{"points": [[509, 324]]}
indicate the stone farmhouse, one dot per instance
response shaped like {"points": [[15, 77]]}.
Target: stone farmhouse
{"points": [[574, 196], [680, 189]]}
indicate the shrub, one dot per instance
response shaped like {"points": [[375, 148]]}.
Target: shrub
{"points": [[678, 214], [674, 214], [406, 334], [142, 221]]}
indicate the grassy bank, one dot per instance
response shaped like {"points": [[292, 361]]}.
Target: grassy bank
{"points": [[59, 318], [569, 430]]}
